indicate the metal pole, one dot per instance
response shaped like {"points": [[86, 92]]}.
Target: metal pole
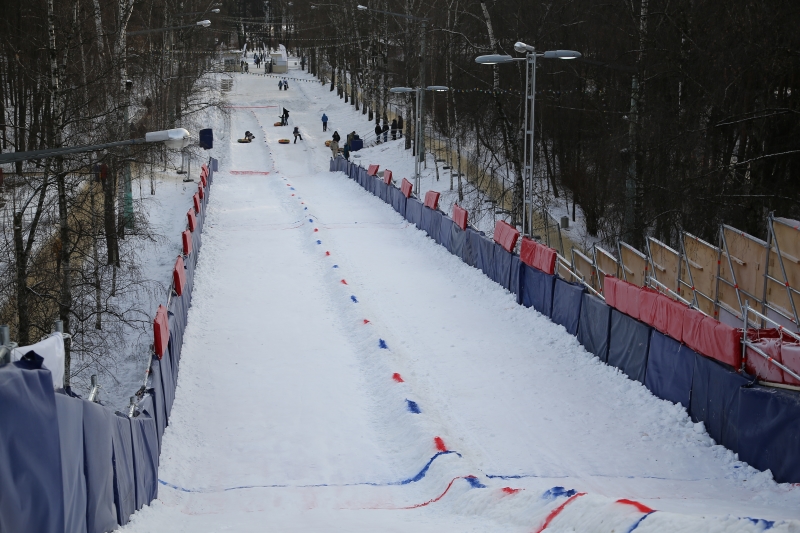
{"points": [[128, 196], [532, 61], [525, 171], [417, 136], [95, 389], [421, 149]]}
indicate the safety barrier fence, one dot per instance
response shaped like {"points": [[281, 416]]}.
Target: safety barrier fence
{"points": [[69, 464], [679, 353]]}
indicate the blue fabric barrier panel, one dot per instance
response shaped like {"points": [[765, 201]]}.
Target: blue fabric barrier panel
{"points": [[670, 366], [98, 456], [537, 289], [471, 247], [124, 480], [445, 230], [567, 301], [30, 458], [513, 282], [413, 211], [715, 400], [425, 219], [147, 461], [167, 382], [458, 238], [628, 344], [435, 225], [594, 326], [502, 266], [484, 256], [160, 413], [70, 431], [769, 435], [381, 190], [399, 201]]}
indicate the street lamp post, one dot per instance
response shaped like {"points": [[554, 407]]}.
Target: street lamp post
{"points": [[530, 99], [418, 131]]}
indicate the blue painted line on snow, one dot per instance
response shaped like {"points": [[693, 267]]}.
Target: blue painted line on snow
{"points": [[355, 301], [319, 242], [413, 407], [557, 492], [636, 524], [475, 483], [382, 344], [768, 524], [311, 220], [335, 266]]}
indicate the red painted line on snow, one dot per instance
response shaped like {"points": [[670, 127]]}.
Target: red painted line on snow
{"points": [[327, 253], [440, 444], [509, 490], [397, 377], [557, 511], [344, 282], [436, 499], [640, 506], [366, 321]]}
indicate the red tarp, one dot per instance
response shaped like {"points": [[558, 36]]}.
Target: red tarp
{"points": [[432, 199], [187, 242], [725, 345], [460, 216], [528, 250], [647, 305], [505, 235], [179, 276], [406, 187], [161, 331], [387, 177], [610, 290], [756, 365], [790, 354], [694, 333], [373, 170], [669, 317], [191, 219]]}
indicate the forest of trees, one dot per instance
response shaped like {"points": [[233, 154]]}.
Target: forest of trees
{"points": [[680, 115], [79, 73]]}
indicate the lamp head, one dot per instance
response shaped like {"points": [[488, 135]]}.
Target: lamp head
{"points": [[215, 10], [561, 54], [204, 23], [523, 48], [401, 90], [437, 88], [493, 59], [361, 8]]}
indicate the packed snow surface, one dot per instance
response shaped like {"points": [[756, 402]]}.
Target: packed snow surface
{"points": [[342, 372]]}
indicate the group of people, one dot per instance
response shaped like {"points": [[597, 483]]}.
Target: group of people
{"points": [[245, 67], [396, 128], [283, 85]]}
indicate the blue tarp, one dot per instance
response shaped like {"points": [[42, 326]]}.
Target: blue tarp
{"points": [[628, 344], [145, 446], [567, 300], [769, 432], [513, 282], [70, 431], [425, 219], [537, 289], [483, 250], [502, 266], [399, 201], [381, 190], [167, 382], [594, 326], [471, 246], [31, 489], [101, 513], [158, 398], [715, 400], [458, 238], [413, 211], [435, 224], [670, 366], [445, 230], [124, 480]]}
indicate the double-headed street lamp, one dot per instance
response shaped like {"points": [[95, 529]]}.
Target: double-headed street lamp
{"points": [[420, 146], [419, 133], [530, 98], [200, 23]]}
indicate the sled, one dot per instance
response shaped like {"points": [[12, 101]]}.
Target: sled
{"points": [[244, 140]]}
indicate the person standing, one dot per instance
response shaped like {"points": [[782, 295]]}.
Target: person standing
{"points": [[394, 129], [378, 131], [296, 133], [400, 126], [324, 122], [334, 148], [346, 151], [285, 117], [385, 130], [336, 136], [280, 85]]}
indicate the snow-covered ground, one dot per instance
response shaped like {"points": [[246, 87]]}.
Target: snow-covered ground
{"points": [[342, 372]]}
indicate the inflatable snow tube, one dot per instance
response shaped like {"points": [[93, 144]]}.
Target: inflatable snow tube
{"points": [[327, 144], [277, 124], [283, 141], [244, 140]]}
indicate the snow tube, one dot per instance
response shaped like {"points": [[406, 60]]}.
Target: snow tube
{"points": [[567, 300], [283, 141], [594, 326], [670, 366], [628, 344], [278, 124], [244, 140], [769, 435]]}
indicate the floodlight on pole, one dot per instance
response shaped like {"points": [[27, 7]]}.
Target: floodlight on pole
{"points": [[437, 88], [401, 90], [204, 23], [496, 59]]}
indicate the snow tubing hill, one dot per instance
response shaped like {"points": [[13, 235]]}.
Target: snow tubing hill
{"points": [[643, 341]]}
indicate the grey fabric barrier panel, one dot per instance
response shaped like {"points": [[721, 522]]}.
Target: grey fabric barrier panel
{"points": [[484, 256], [70, 430], [177, 317], [471, 247], [670, 367], [594, 326], [160, 413], [502, 266], [363, 178], [399, 201], [139, 468], [413, 211], [425, 219], [98, 456], [31, 489], [380, 190], [513, 281], [536, 289], [435, 225], [147, 460], [124, 481], [167, 382], [445, 230], [567, 300], [628, 345], [458, 238]]}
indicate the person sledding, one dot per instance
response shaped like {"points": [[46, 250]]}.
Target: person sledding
{"points": [[285, 117], [296, 133], [248, 137]]}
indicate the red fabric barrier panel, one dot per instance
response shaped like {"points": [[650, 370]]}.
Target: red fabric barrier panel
{"points": [[460, 216], [204, 170], [373, 170], [192, 219], [387, 177], [621, 296], [187, 242], [528, 250], [790, 354], [669, 317], [179, 276], [546, 259], [432, 199], [692, 332], [647, 305], [610, 290], [633, 292], [200, 190], [196, 200], [725, 345], [161, 331], [406, 188], [505, 235], [756, 365]]}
